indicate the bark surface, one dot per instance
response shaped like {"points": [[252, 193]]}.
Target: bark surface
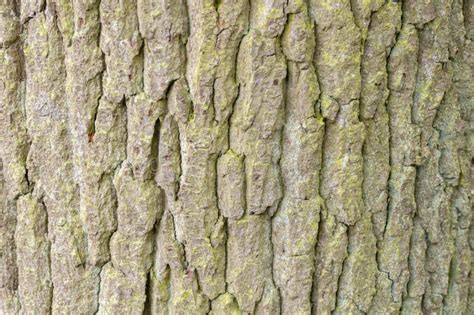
{"points": [[236, 156]]}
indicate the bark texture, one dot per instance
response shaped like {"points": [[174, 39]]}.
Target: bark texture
{"points": [[236, 156]]}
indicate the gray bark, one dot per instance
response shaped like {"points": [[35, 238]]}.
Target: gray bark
{"points": [[236, 156]]}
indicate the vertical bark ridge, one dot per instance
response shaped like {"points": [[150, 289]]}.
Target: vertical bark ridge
{"points": [[295, 225], [14, 149]]}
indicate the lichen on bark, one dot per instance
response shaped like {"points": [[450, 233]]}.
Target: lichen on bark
{"points": [[236, 157]]}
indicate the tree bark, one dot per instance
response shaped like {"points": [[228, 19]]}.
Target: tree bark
{"points": [[236, 156]]}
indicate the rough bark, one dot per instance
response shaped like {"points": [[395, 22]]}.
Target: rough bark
{"points": [[236, 156]]}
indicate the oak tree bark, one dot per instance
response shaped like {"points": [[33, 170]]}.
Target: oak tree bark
{"points": [[236, 156]]}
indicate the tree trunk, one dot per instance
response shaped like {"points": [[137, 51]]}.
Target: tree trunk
{"points": [[236, 156]]}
